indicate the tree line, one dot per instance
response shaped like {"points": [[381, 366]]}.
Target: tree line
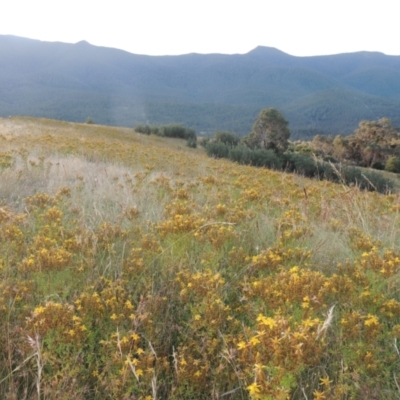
{"points": [[373, 145]]}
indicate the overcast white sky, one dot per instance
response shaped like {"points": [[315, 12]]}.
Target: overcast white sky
{"points": [[160, 27]]}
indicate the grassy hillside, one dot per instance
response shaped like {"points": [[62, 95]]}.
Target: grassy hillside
{"points": [[133, 267]]}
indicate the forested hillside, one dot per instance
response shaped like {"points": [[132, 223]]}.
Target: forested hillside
{"points": [[325, 94]]}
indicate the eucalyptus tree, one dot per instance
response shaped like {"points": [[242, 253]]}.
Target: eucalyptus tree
{"points": [[270, 132]]}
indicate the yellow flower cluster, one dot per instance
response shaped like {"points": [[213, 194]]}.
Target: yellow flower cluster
{"points": [[146, 270]]}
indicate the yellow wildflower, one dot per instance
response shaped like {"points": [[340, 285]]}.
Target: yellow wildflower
{"points": [[267, 321], [371, 320], [135, 336], [254, 389], [319, 395], [325, 381], [241, 345], [128, 305]]}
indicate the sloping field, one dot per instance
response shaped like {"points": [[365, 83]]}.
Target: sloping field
{"points": [[133, 267]]}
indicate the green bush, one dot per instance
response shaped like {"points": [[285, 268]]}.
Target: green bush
{"points": [[257, 158], [301, 164], [141, 128], [370, 181], [217, 150], [155, 130], [170, 131], [192, 142], [327, 172], [266, 158], [204, 141], [330, 159], [177, 131], [393, 164], [240, 154], [229, 138], [378, 165]]}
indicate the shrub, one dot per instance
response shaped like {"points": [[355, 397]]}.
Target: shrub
{"points": [[328, 172], [240, 154], [229, 138], [330, 159], [204, 141], [393, 164], [257, 158], [378, 165], [266, 158], [217, 150], [142, 128], [155, 130], [177, 131], [301, 164], [367, 180], [170, 131], [192, 142]]}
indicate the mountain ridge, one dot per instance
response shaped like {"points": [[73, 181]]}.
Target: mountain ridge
{"points": [[74, 81]]}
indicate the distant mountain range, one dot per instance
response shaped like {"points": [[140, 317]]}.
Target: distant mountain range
{"points": [[322, 94]]}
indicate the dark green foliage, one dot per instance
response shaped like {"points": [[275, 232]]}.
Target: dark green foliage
{"points": [[301, 164], [257, 158], [192, 142], [307, 166], [270, 132], [229, 138], [145, 129], [204, 142], [243, 155], [171, 131], [370, 181], [177, 131], [217, 150], [155, 130], [327, 171], [266, 158], [240, 154], [89, 121], [329, 159], [393, 164], [380, 166]]}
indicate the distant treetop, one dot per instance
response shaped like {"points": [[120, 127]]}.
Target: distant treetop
{"points": [[270, 132]]}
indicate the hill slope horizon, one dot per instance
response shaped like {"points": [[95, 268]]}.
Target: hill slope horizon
{"points": [[319, 94]]}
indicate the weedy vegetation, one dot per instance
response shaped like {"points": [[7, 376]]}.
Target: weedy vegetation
{"points": [[135, 267]]}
